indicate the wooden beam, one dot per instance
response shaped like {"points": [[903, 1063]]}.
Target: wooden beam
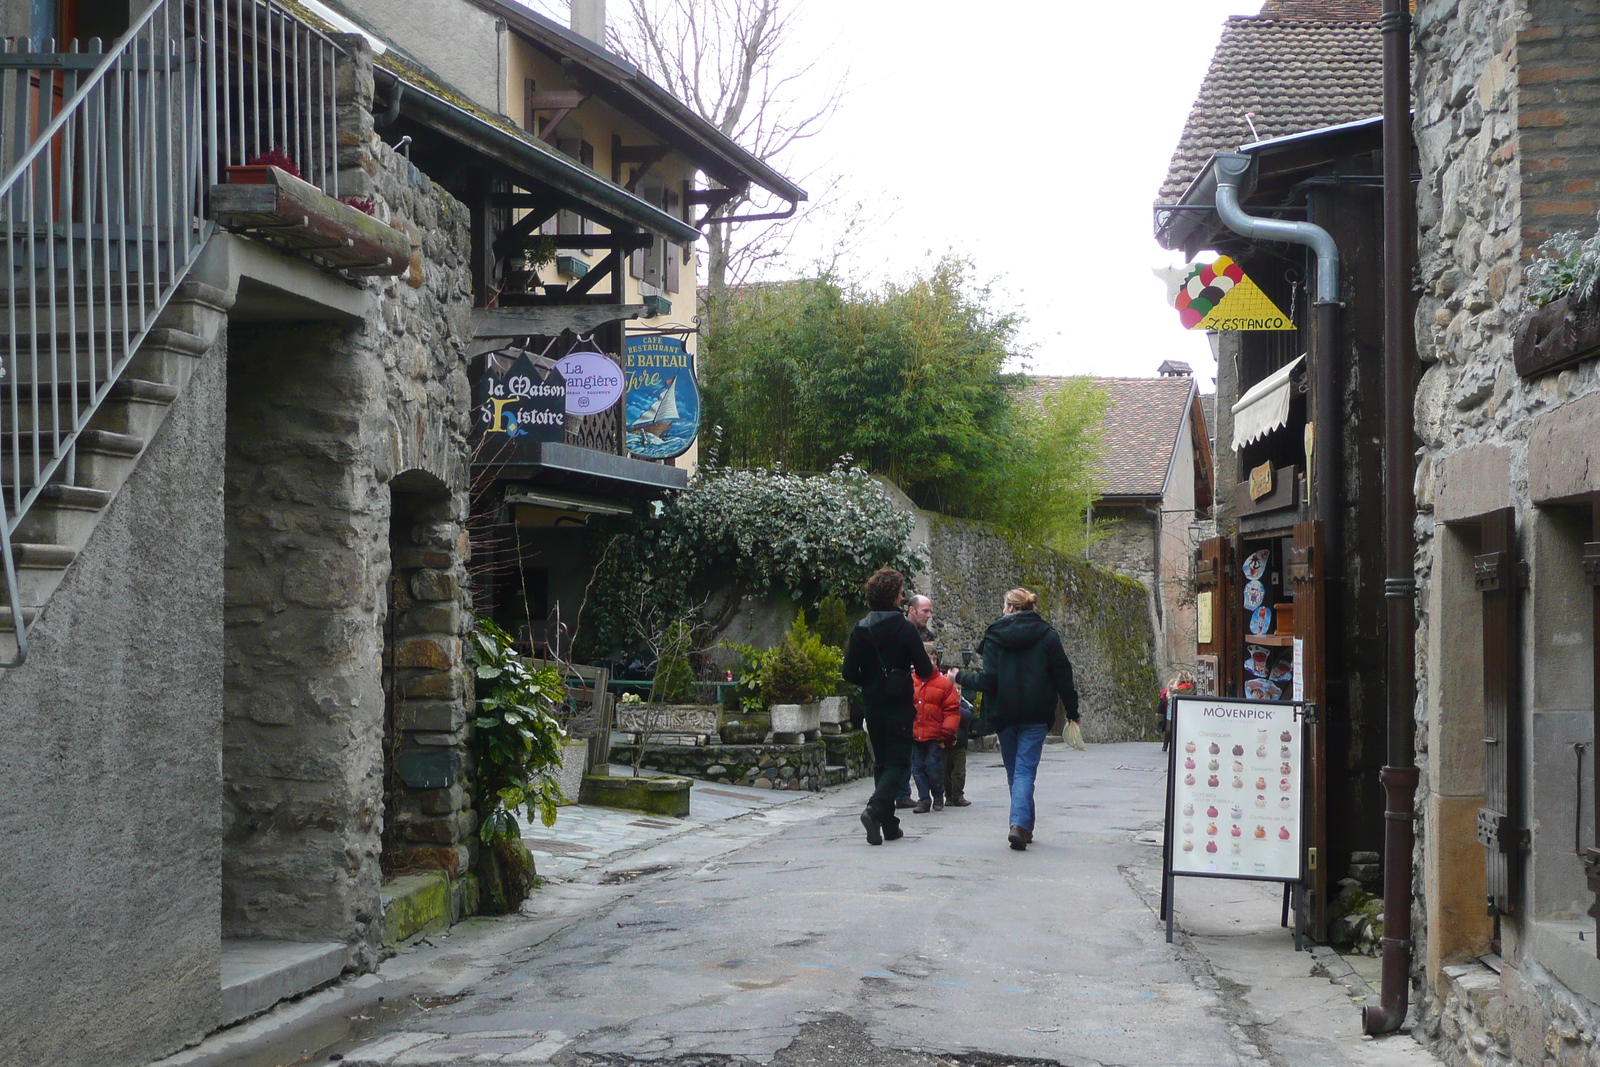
{"points": [[607, 267]]}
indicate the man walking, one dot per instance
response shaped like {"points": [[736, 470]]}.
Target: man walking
{"points": [[919, 612]]}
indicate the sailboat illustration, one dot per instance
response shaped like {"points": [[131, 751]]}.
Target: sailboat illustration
{"points": [[660, 413]]}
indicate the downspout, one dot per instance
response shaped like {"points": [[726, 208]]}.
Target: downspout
{"points": [[1400, 775], [1231, 169]]}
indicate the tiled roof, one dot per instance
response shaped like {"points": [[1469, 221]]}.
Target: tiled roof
{"points": [[1139, 432], [1299, 65]]}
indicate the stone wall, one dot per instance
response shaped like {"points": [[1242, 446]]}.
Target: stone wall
{"points": [[802, 766], [1506, 112], [327, 428], [109, 820], [1103, 618]]}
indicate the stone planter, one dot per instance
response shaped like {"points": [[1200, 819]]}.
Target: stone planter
{"points": [[741, 732], [1561, 333], [834, 712], [792, 723], [569, 776], [662, 794]]}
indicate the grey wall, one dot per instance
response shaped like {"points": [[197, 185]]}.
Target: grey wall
{"points": [[109, 830], [456, 39]]}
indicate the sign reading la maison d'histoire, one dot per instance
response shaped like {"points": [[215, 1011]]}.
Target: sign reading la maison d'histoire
{"points": [[663, 399], [515, 402]]}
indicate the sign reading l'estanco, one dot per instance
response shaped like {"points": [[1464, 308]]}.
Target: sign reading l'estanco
{"points": [[1220, 296]]}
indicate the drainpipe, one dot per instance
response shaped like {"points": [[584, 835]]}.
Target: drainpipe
{"points": [[1399, 776], [1231, 169]]}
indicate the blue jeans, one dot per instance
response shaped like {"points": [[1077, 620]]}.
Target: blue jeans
{"points": [[1020, 748], [927, 764]]}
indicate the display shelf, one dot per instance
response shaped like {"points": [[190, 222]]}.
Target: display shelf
{"points": [[1270, 640]]}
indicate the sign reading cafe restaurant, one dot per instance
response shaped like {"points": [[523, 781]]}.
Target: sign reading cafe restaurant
{"points": [[663, 405]]}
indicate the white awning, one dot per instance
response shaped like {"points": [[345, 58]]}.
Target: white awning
{"points": [[1265, 407]]}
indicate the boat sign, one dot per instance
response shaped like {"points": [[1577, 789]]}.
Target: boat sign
{"points": [[663, 405]]}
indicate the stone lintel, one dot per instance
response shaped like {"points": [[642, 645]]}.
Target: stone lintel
{"points": [[1564, 452], [1472, 482]]}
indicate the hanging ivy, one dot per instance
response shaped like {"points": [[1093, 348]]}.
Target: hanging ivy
{"points": [[734, 533]]}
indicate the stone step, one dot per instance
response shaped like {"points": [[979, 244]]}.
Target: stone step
{"points": [[258, 974]]}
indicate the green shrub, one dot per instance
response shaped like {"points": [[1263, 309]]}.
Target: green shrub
{"points": [[826, 661], [833, 625], [515, 746], [674, 680], [790, 676]]}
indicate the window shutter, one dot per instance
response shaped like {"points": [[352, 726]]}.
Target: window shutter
{"points": [[1500, 820], [1213, 575], [1306, 567], [670, 251]]}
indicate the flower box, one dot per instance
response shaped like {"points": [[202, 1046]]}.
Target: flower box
{"points": [[662, 794], [295, 216], [1563, 332]]}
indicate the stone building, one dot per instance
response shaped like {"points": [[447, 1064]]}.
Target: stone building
{"points": [[1508, 490], [247, 274], [1155, 479]]}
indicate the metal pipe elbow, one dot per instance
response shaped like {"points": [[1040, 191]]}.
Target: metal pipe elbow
{"points": [[1231, 169]]}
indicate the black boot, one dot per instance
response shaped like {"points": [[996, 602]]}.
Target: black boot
{"points": [[874, 835]]}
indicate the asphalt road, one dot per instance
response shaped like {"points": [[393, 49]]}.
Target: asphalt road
{"points": [[783, 937]]}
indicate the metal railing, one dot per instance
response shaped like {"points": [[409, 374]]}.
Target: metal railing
{"points": [[107, 159]]}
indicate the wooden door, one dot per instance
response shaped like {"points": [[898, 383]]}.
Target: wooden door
{"points": [[1591, 571], [1500, 822], [1306, 566], [1217, 614]]}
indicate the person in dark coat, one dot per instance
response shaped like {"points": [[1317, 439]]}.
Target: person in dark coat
{"points": [[883, 652], [1025, 671]]}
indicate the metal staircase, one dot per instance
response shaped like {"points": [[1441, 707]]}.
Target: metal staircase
{"points": [[107, 161]]}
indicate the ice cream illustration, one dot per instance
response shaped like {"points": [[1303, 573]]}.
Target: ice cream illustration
{"points": [[1212, 765], [1211, 846], [1215, 748], [1188, 827], [1261, 735], [1188, 846], [1238, 783], [1188, 764], [1283, 802], [1238, 750], [1283, 833], [1213, 781], [1238, 765], [1235, 849], [1188, 779], [1188, 809], [1283, 768], [1261, 783], [1261, 801], [1211, 812], [1283, 752], [1286, 737], [1261, 831], [1236, 832], [1261, 752], [1283, 784], [1237, 812], [1211, 829], [1189, 747]]}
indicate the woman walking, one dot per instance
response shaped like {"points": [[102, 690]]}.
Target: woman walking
{"points": [[884, 649], [1025, 669]]}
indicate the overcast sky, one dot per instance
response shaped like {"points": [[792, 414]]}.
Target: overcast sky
{"points": [[1030, 135]]}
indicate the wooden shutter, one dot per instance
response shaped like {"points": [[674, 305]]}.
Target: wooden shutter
{"points": [[669, 250], [1591, 571], [1495, 574], [1214, 575], [1306, 567]]}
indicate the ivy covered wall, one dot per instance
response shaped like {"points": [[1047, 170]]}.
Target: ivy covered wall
{"points": [[1103, 618]]}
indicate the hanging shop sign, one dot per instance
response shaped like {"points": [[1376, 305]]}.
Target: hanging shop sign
{"points": [[594, 381], [1220, 296], [517, 398], [1236, 795], [663, 405]]}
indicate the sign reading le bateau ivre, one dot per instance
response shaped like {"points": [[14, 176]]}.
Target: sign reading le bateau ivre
{"points": [[663, 406]]}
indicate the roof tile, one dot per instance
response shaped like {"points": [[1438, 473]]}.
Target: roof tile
{"points": [[1140, 429]]}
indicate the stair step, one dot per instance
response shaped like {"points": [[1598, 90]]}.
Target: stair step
{"points": [[73, 497], [102, 442], [25, 554], [7, 625]]}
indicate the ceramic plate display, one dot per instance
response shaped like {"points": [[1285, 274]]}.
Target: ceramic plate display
{"points": [[1255, 594], [1256, 662], [1260, 689], [1261, 621], [1255, 564]]}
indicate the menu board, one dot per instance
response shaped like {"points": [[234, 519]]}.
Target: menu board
{"points": [[1238, 778]]}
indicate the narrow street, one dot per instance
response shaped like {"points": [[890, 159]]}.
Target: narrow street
{"points": [[781, 937]]}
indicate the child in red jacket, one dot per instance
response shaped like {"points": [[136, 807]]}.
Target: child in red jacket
{"points": [[938, 719]]}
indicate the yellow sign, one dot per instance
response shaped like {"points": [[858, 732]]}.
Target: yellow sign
{"points": [[1220, 296], [1261, 481], [1203, 612]]}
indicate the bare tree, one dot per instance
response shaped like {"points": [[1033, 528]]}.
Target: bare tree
{"points": [[734, 62]]}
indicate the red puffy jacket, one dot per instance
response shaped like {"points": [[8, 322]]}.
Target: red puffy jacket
{"points": [[938, 710]]}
